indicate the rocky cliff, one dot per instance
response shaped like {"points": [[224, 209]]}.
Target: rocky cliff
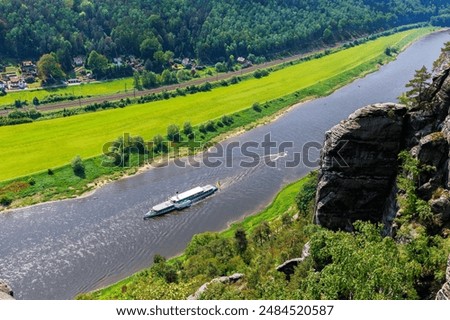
{"points": [[362, 178], [359, 161], [6, 292], [444, 293]]}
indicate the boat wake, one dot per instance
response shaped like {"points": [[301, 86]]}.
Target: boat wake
{"points": [[277, 156]]}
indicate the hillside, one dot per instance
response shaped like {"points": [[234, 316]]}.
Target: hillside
{"points": [[381, 208], [208, 30]]}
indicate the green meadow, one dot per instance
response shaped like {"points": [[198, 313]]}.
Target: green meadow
{"points": [[40, 145]]}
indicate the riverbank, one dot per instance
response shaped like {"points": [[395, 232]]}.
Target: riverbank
{"points": [[63, 183]]}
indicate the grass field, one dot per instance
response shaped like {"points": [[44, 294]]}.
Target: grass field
{"points": [[40, 145], [96, 88]]}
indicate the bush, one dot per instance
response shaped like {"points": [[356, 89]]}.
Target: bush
{"points": [[31, 181], [35, 101], [78, 166], [260, 73], [234, 80], [210, 126], [158, 143], [5, 201], [306, 195], [138, 143], [221, 67], [187, 128], [256, 107], [173, 133], [227, 120], [202, 128], [18, 103], [50, 172], [240, 238], [206, 87]]}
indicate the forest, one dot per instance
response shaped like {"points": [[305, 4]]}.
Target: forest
{"points": [[209, 30]]}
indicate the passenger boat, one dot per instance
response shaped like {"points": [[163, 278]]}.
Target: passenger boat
{"points": [[181, 201]]}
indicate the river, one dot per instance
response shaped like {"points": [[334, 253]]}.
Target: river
{"points": [[57, 250]]}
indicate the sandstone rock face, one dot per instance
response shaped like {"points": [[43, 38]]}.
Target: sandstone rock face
{"points": [[444, 293], [441, 208], [359, 166], [6, 292], [446, 132], [288, 267], [230, 279], [359, 160]]}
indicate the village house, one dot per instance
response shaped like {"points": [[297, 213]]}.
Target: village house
{"points": [[6, 76], [78, 61], [16, 83], [186, 62], [118, 61], [28, 68]]}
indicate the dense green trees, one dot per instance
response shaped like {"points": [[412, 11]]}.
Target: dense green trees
{"points": [[210, 30]]}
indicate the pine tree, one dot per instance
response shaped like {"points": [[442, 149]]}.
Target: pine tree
{"points": [[418, 85]]}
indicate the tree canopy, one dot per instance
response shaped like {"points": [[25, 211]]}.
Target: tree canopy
{"points": [[418, 85], [97, 62], [49, 70], [210, 30]]}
